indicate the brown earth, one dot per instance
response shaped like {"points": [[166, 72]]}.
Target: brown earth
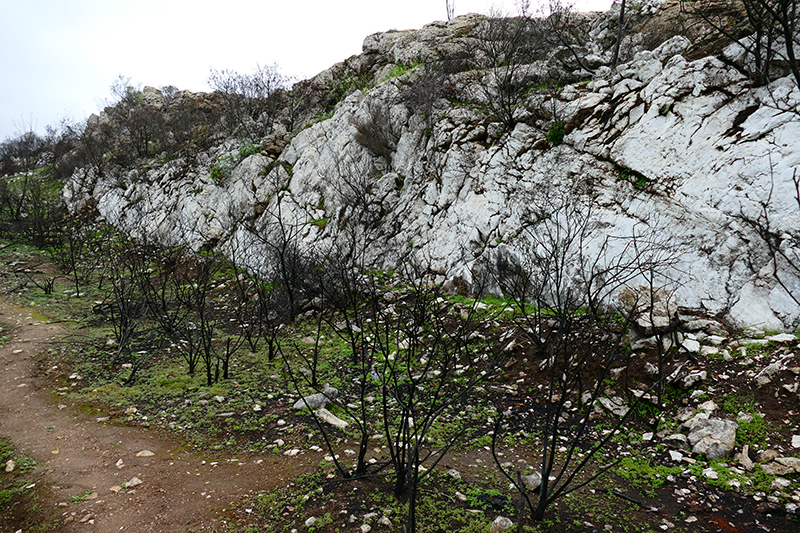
{"points": [[79, 457]]}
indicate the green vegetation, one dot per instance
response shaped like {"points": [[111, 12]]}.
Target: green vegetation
{"points": [[218, 175], [247, 150], [640, 472], [81, 496], [555, 135], [348, 83], [399, 69], [753, 429], [18, 495]]}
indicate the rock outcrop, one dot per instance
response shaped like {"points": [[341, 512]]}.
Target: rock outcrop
{"points": [[678, 153]]}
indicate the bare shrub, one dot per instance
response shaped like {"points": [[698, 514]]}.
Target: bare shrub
{"points": [[252, 101], [377, 132]]}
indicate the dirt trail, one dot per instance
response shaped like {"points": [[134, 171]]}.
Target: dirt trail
{"points": [[180, 490]]}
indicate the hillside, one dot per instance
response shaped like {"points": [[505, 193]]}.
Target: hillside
{"points": [[492, 273], [672, 147]]}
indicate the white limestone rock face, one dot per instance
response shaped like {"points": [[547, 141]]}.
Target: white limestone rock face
{"points": [[667, 149]]}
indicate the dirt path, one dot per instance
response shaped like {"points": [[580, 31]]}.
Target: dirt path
{"points": [[179, 490]]}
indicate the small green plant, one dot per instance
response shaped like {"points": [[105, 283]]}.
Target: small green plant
{"points": [[555, 135], [640, 472], [399, 69], [218, 175], [753, 429], [320, 222], [348, 84], [81, 496], [248, 149], [319, 118]]}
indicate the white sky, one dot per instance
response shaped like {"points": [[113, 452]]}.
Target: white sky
{"points": [[58, 58]]}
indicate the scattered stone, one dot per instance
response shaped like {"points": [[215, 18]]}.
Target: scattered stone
{"points": [[317, 400], [744, 458], [10, 464], [693, 378], [712, 438], [767, 455], [677, 441], [792, 462], [795, 441], [768, 373], [615, 405], [780, 483], [134, 482], [330, 418], [384, 521], [675, 456], [691, 345], [705, 351], [292, 452], [532, 481], [777, 469], [710, 473], [311, 521], [366, 528], [120, 464], [219, 399], [455, 474], [461, 496], [115, 489], [782, 338], [708, 406], [501, 523], [145, 453]]}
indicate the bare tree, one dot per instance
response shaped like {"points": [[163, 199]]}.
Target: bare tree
{"points": [[251, 100], [561, 281], [771, 32], [377, 132], [506, 46], [560, 27], [413, 361]]}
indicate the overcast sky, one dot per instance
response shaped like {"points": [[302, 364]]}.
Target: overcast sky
{"points": [[58, 58]]}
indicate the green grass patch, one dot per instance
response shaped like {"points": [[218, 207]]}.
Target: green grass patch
{"points": [[640, 472]]}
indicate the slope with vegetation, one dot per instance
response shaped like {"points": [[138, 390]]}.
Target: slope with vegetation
{"points": [[509, 256]]}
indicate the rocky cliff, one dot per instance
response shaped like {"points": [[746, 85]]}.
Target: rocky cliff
{"points": [[673, 153]]}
